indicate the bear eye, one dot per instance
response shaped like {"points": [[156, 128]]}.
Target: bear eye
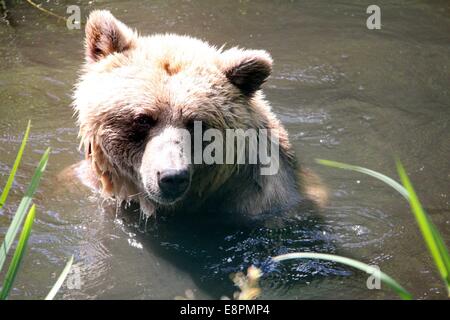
{"points": [[140, 128], [145, 121]]}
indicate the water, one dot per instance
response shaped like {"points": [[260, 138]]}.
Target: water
{"points": [[344, 92]]}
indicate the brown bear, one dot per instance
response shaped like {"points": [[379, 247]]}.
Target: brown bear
{"points": [[137, 97]]}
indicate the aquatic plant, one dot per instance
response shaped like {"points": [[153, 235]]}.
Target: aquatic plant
{"points": [[402, 292], [40, 8], [5, 9], [24, 212], [431, 235]]}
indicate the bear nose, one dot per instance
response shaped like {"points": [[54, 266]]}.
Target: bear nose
{"points": [[173, 182]]}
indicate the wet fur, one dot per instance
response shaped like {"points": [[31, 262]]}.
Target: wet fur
{"points": [[176, 80]]}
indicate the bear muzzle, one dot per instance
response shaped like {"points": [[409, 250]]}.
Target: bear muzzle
{"points": [[173, 183]]}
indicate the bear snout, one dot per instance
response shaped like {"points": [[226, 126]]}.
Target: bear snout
{"points": [[173, 182]]}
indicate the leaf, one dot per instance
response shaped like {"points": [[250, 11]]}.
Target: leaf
{"points": [[60, 280], [352, 263], [22, 209], [18, 254], [430, 234], [12, 174], [389, 181]]}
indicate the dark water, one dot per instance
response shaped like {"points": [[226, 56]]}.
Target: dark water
{"points": [[344, 92]]}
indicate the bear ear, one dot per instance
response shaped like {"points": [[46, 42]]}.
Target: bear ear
{"points": [[247, 69], [106, 35]]}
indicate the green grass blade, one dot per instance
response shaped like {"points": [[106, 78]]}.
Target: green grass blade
{"points": [[12, 174], [430, 234], [389, 181], [352, 263], [22, 209], [18, 254], [60, 280], [441, 246]]}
